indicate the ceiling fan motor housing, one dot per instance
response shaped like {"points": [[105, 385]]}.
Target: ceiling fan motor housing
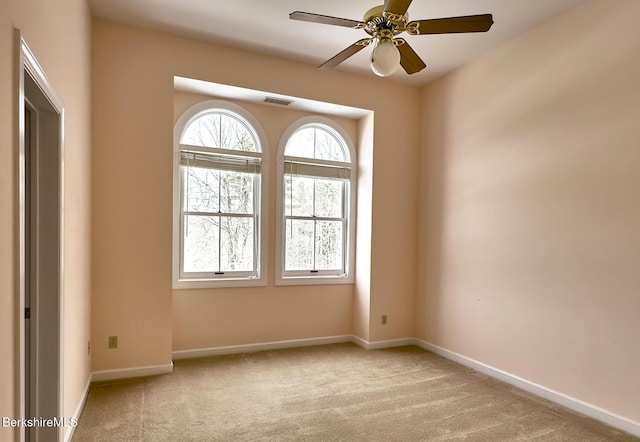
{"points": [[377, 20]]}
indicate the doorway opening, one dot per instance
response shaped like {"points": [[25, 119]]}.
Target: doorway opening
{"points": [[40, 122]]}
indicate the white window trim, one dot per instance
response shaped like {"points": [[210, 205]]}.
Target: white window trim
{"points": [[183, 121], [349, 253]]}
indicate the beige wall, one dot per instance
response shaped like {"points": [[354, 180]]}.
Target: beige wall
{"points": [[530, 210], [133, 116], [59, 35]]}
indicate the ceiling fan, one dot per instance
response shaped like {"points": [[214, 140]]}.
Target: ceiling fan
{"points": [[383, 23]]}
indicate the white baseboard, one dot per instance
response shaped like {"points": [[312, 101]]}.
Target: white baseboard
{"points": [[377, 345], [134, 372], [590, 410], [78, 411], [277, 345], [250, 348]]}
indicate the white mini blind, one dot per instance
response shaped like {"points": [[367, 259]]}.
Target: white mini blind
{"points": [[243, 164], [317, 170]]}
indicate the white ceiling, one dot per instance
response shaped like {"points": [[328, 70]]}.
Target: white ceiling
{"points": [[264, 25]]}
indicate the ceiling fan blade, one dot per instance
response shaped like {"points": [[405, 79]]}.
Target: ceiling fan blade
{"points": [[324, 19], [451, 25], [343, 55], [397, 6], [409, 60]]}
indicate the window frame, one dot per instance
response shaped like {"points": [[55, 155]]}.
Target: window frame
{"points": [[190, 280], [306, 277]]}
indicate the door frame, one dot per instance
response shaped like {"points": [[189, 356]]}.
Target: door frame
{"points": [[27, 64]]}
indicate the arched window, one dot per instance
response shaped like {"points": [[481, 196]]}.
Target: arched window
{"points": [[316, 204], [218, 194]]}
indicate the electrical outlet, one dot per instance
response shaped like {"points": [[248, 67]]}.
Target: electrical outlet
{"points": [[113, 342], [383, 320]]}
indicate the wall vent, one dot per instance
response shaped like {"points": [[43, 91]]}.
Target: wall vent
{"points": [[278, 101]]}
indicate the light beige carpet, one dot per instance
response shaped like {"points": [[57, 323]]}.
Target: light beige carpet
{"points": [[327, 393]]}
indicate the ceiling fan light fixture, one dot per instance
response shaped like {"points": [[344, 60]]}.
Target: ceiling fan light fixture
{"points": [[385, 58]]}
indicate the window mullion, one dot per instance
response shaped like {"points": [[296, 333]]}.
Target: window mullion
{"points": [[184, 199], [345, 226], [291, 198], [256, 210], [313, 208], [219, 212], [313, 218], [315, 239], [227, 214]]}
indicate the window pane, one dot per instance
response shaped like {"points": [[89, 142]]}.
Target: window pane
{"points": [[201, 244], [220, 131], [205, 131], [318, 143], [301, 144], [234, 135], [201, 192], [327, 147], [236, 192], [299, 245], [236, 246], [328, 245], [298, 196], [328, 198]]}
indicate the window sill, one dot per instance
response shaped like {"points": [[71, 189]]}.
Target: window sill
{"points": [[314, 280], [217, 283]]}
